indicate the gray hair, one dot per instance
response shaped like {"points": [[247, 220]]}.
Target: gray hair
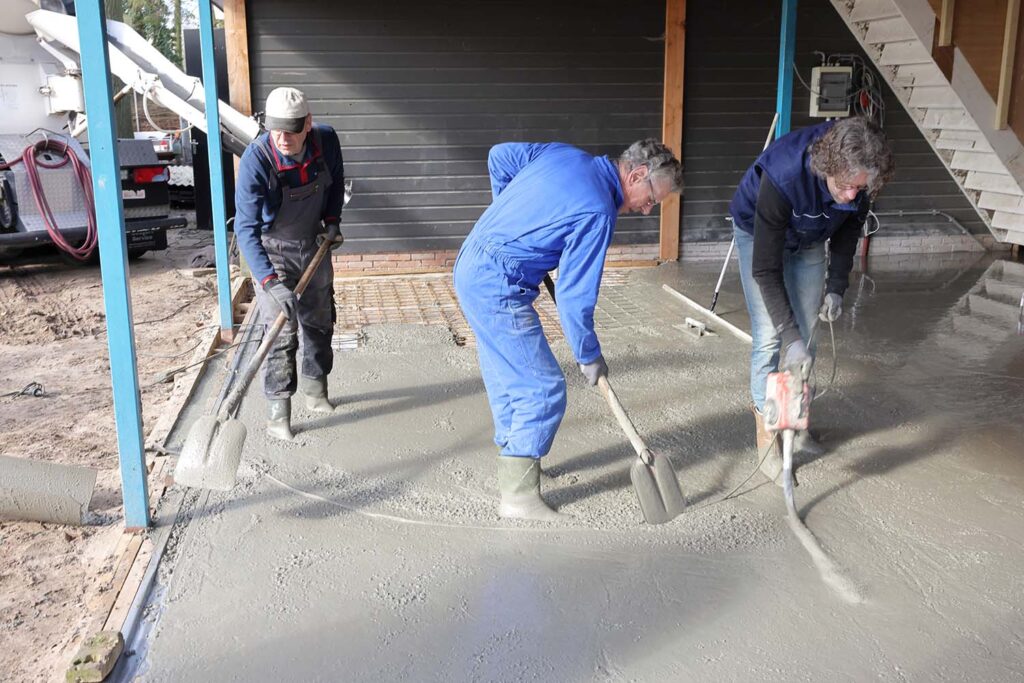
{"points": [[851, 146], [657, 158]]}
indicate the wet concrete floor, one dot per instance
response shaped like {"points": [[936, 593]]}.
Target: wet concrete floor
{"points": [[369, 549]]}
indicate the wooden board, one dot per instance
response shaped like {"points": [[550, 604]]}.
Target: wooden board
{"points": [[672, 118], [1006, 64]]}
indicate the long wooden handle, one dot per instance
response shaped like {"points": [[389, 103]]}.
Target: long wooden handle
{"points": [[264, 348], [627, 425]]}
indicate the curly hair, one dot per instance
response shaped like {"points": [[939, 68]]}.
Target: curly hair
{"points": [[851, 146], [658, 159]]}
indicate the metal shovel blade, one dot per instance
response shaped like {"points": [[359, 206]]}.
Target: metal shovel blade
{"points": [[211, 454], [657, 489]]}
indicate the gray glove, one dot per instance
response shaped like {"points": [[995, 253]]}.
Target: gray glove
{"points": [[831, 309], [333, 234], [594, 370], [796, 359], [284, 297]]}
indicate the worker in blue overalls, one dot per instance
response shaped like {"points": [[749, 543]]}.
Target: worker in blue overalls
{"points": [[553, 206], [289, 196], [809, 187]]}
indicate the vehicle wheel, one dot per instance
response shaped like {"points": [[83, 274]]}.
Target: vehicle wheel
{"points": [[136, 254], [8, 209]]}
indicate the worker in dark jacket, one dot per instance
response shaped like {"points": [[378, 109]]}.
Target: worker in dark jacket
{"points": [[809, 187], [554, 206], [289, 195]]}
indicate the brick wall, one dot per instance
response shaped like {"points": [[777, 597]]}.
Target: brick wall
{"points": [[405, 263]]}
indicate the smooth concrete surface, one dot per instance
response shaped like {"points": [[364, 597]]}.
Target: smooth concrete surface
{"points": [[369, 550], [40, 491]]}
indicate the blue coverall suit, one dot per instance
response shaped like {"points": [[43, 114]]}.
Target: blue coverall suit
{"points": [[281, 207], [553, 206], [811, 218]]}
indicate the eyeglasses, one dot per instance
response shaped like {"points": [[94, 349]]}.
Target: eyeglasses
{"points": [[652, 202]]}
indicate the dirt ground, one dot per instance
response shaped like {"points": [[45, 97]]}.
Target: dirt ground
{"points": [[52, 331]]}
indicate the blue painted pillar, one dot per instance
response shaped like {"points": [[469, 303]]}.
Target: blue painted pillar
{"points": [[220, 229], [117, 301], [787, 49]]}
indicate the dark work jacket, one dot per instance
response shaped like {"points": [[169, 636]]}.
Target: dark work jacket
{"points": [[792, 208]]}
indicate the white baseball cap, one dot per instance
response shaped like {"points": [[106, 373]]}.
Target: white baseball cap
{"points": [[286, 109]]}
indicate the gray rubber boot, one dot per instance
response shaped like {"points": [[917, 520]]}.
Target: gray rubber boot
{"points": [[279, 418], [519, 485], [806, 444], [315, 391]]}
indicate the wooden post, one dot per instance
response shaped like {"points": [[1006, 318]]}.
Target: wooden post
{"points": [[1006, 65], [236, 43], [672, 119], [946, 23]]}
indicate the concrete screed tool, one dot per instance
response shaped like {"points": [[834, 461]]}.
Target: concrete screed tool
{"points": [[787, 410], [213, 448], [654, 481]]}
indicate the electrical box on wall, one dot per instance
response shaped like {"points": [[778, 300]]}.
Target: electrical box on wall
{"points": [[831, 87]]}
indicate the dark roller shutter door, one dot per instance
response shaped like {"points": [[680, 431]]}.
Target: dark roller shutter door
{"points": [[419, 91]]}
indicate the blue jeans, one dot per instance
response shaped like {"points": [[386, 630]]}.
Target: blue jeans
{"points": [[804, 275]]}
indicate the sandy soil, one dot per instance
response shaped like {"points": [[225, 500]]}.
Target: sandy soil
{"points": [[52, 331]]}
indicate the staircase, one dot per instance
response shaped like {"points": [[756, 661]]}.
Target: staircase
{"points": [[993, 306], [897, 37]]}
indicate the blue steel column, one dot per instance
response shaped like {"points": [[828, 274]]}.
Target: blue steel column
{"points": [[220, 229], [787, 48], [117, 301]]}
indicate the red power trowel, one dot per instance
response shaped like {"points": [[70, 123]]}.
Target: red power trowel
{"points": [[787, 408]]}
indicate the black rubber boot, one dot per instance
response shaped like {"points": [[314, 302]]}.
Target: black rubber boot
{"points": [[314, 389], [519, 485], [279, 418]]}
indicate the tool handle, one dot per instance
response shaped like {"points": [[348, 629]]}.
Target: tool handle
{"points": [[268, 340], [627, 425]]}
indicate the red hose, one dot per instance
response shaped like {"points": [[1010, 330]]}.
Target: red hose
{"points": [[83, 251]]}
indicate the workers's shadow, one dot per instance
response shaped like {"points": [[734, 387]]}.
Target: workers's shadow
{"points": [[361, 406], [717, 438]]}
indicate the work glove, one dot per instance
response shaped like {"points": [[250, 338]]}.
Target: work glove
{"points": [[333, 234], [284, 297], [831, 309], [594, 370], [796, 359]]}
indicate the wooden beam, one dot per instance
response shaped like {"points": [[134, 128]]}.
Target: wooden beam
{"points": [[236, 39], [1006, 65], [672, 119], [946, 23]]}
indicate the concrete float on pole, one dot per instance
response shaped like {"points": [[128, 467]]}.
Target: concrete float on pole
{"points": [[787, 49], [117, 302], [215, 155]]}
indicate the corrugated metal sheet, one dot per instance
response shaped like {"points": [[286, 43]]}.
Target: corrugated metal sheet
{"points": [[419, 91], [731, 72]]}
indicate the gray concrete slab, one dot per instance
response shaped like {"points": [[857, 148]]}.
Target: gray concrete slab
{"points": [[369, 549]]}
